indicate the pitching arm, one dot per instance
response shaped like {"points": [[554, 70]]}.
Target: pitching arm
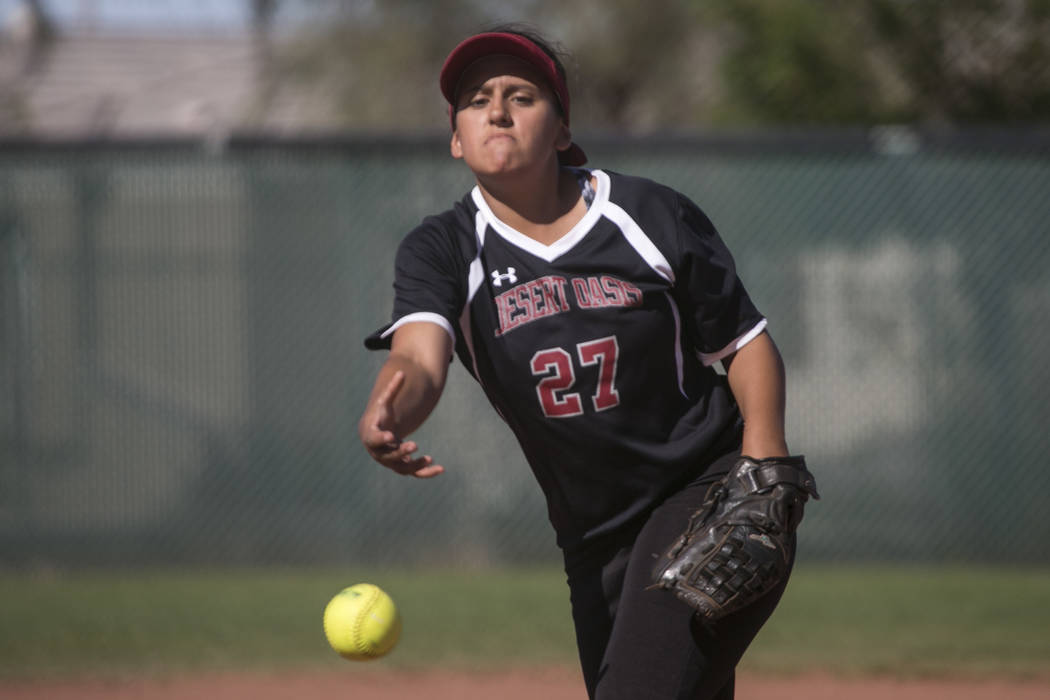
{"points": [[406, 391]]}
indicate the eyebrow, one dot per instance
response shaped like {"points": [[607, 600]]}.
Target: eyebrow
{"points": [[512, 87]]}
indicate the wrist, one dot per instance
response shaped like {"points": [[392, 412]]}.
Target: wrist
{"points": [[759, 448]]}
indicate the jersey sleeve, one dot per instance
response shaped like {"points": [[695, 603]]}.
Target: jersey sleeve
{"points": [[428, 283], [721, 317]]}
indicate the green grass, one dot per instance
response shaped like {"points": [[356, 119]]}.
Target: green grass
{"points": [[910, 621], [164, 622], [877, 620]]}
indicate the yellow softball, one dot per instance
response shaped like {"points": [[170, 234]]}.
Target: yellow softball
{"points": [[361, 622]]}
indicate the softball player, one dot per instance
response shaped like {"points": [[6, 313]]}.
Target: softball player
{"points": [[591, 307]]}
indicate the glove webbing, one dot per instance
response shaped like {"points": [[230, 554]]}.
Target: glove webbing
{"points": [[740, 571]]}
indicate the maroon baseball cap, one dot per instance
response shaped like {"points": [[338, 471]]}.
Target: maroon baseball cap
{"points": [[491, 43]]}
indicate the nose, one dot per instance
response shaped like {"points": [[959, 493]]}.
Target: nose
{"points": [[498, 113]]}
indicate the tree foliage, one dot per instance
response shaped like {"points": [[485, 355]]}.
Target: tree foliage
{"points": [[637, 65], [794, 62], [822, 61], [378, 62], [967, 61]]}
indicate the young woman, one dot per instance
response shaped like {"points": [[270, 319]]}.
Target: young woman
{"points": [[591, 307]]}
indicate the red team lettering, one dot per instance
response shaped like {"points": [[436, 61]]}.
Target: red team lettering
{"points": [[605, 291], [529, 301], [547, 296]]}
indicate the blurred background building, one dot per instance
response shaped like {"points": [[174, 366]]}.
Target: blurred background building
{"points": [[113, 69]]}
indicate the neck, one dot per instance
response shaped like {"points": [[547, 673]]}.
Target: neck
{"points": [[543, 208]]}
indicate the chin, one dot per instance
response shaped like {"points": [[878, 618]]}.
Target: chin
{"points": [[497, 167]]}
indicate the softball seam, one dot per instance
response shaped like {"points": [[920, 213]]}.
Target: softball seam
{"points": [[365, 647]]}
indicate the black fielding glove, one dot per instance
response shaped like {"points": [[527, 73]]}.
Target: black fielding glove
{"points": [[739, 544]]}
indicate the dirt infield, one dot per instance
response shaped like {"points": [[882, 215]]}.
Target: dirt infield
{"points": [[553, 684]]}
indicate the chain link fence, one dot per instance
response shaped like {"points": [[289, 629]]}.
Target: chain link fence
{"points": [[181, 367]]}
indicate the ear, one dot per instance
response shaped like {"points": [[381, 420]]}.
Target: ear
{"points": [[564, 138], [455, 145]]}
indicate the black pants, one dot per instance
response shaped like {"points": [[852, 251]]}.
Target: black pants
{"points": [[637, 643]]}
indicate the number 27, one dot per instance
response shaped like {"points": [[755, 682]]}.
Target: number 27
{"points": [[559, 376]]}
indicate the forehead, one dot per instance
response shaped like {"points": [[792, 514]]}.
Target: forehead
{"points": [[498, 66]]}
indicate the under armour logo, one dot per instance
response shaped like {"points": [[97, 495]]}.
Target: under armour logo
{"points": [[509, 276]]}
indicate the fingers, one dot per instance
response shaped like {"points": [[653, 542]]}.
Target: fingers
{"points": [[419, 467], [398, 456], [422, 468]]}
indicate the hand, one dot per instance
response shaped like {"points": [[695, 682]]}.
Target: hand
{"points": [[383, 445]]}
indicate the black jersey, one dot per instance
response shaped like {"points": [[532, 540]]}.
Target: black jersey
{"points": [[597, 349]]}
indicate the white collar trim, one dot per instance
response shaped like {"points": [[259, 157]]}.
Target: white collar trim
{"points": [[564, 244]]}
